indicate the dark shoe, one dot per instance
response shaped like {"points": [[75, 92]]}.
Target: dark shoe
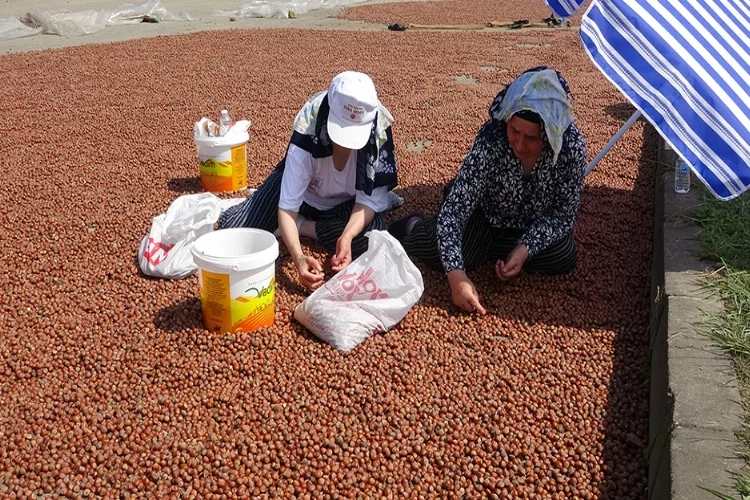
{"points": [[518, 24], [398, 227], [552, 21]]}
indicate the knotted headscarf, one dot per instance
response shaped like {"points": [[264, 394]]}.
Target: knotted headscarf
{"points": [[376, 161], [544, 92]]}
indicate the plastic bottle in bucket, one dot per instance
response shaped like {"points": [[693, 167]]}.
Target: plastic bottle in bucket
{"points": [[225, 122], [237, 279], [223, 160]]}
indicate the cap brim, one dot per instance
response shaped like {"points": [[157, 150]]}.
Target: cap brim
{"points": [[347, 135]]}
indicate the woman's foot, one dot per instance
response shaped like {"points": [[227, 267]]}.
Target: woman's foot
{"points": [[401, 228]]}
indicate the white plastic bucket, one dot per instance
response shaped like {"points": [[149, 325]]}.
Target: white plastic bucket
{"points": [[237, 278], [223, 162]]}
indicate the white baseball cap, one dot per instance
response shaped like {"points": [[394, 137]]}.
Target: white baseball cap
{"points": [[353, 104]]}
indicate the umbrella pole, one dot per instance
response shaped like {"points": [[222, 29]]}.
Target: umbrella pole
{"points": [[612, 141]]}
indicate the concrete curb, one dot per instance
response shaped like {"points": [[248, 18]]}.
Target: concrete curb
{"points": [[694, 405]]}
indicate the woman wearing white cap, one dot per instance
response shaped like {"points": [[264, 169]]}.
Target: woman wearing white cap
{"points": [[332, 185]]}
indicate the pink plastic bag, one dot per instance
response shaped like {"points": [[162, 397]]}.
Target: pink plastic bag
{"points": [[370, 295]]}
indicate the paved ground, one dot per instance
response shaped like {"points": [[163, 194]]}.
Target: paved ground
{"points": [[695, 396]]}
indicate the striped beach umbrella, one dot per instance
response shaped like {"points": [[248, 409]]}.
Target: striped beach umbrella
{"points": [[685, 65], [564, 8]]}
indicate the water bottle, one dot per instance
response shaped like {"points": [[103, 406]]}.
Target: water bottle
{"points": [[681, 177], [224, 122]]}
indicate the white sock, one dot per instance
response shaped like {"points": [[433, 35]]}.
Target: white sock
{"points": [[300, 220]]}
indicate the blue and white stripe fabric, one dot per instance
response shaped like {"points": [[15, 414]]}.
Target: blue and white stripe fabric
{"points": [[685, 64], [564, 8]]}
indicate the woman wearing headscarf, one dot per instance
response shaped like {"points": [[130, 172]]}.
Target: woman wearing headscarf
{"points": [[516, 196], [332, 184]]}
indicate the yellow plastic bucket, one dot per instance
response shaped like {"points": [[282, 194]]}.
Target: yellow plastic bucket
{"points": [[223, 162], [237, 279]]}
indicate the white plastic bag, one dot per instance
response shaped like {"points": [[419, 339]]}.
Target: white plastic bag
{"points": [[280, 9], [12, 28], [166, 251], [63, 22], [128, 13], [370, 295], [66, 23]]}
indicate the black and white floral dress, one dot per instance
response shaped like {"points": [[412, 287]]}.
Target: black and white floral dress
{"points": [[492, 207], [543, 204]]}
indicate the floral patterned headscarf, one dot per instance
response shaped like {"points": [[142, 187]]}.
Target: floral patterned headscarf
{"points": [[376, 161], [544, 92]]}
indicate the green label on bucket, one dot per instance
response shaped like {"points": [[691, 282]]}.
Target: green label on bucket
{"points": [[254, 308]]}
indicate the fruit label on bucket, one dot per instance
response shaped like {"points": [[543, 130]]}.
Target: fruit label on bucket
{"points": [[252, 308], [226, 172]]}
